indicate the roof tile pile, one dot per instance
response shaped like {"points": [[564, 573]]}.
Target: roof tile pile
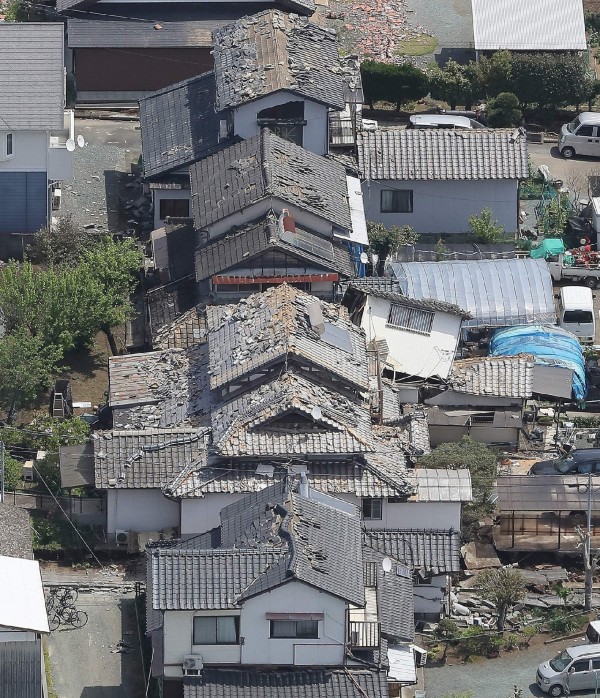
{"points": [[502, 376]]}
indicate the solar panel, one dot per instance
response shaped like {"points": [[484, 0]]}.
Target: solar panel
{"points": [[310, 243]]}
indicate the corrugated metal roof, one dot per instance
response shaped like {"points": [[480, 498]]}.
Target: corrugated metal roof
{"points": [[497, 293], [21, 669], [546, 493], [31, 76], [442, 154], [504, 376], [534, 25], [441, 485]]}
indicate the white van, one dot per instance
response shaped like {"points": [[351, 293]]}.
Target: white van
{"points": [[442, 121], [573, 669], [581, 136], [576, 312]]}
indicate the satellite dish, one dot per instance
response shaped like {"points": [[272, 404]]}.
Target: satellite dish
{"points": [[364, 257], [316, 412], [70, 145], [386, 563], [80, 141]]}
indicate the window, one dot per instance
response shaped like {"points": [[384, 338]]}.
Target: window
{"points": [[289, 132], [585, 131], [583, 665], [396, 201], [7, 150], [578, 316], [596, 664], [306, 629], [175, 208], [216, 630], [9, 144], [411, 319], [371, 508]]}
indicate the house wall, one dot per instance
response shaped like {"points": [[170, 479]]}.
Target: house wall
{"points": [[429, 598], [315, 134], [416, 354], [483, 433], [30, 150], [456, 399], [139, 510], [200, 514], [445, 207]]}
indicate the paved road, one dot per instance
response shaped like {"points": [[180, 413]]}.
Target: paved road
{"points": [[84, 661], [578, 169]]}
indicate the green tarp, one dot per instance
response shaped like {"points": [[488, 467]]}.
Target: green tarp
{"points": [[548, 248]]}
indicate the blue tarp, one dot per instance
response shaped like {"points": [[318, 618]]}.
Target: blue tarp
{"points": [[549, 345]]}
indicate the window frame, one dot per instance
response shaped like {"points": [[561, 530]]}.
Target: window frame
{"points": [[170, 215], [236, 620], [424, 327], [396, 205], [294, 635], [370, 501], [7, 152]]}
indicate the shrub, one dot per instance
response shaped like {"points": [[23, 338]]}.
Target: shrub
{"points": [[503, 110]]}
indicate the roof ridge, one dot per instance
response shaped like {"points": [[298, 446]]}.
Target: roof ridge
{"points": [[265, 164]]}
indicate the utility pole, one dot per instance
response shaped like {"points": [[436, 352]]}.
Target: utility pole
{"points": [[2, 471], [587, 549]]}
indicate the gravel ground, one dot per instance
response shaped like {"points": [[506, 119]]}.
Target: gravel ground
{"points": [[85, 661]]}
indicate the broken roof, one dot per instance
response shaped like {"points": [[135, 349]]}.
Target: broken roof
{"points": [[147, 458], [267, 167], [166, 306], [274, 51], [244, 244], [434, 551], [502, 376], [442, 154], [32, 76], [275, 326], [180, 124], [186, 331]]}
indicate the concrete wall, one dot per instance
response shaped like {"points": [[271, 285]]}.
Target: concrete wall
{"points": [[415, 354], [315, 133], [200, 514], [140, 510], [445, 207]]}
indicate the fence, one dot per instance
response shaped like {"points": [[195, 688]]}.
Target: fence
{"points": [[86, 510]]}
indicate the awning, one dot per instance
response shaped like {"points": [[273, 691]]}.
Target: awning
{"points": [[76, 465]]}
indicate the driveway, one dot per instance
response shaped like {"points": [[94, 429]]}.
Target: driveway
{"points": [[86, 662], [573, 173]]}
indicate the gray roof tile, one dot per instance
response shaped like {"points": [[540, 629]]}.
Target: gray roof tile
{"points": [[185, 332], [442, 154], [21, 669], [503, 376], [166, 306], [15, 533], [31, 76], [266, 167], [434, 551], [273, 51]]}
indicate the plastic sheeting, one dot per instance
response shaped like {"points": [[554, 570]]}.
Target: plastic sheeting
{"points": [[496, 292], [548, 248], [550, 346]]}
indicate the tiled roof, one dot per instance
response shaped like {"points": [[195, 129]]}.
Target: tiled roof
{"points": [[21, 669], [280, 418], [273, 51], [180, 125], [15, 533], [267, 167], [294, 683], [397, 297], [442, 154], [166, 305], [502, 376], [173, 249], [443, 485], [188, 330], [275, 326], [252, 240], [434, 551], [31, 76], [221, 13], [148, 458]]}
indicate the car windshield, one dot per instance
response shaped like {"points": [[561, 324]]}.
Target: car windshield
{"points": [[578, 316], [565, 465], [561, 661], [572, 127]]}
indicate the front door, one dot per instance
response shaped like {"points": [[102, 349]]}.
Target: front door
{"points": [[580, 675], [585, 140]]}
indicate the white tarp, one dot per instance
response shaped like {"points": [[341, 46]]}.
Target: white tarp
{"points": [[402, 664], [22, 603]]}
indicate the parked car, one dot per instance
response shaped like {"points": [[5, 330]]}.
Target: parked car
{"points": [[442, 121], [581, 136], [582, 461], [573, 669]]}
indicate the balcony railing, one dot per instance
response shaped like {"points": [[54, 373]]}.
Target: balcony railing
{"points": [[364, 634]]}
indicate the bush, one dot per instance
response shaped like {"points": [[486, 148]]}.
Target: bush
{"points": [[385, 82], [503, 110], [485, 229], [562, 623], [511, 642], [446, 628], [477, 642]]}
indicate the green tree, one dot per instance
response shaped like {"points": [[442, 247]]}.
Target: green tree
{"points": [[12, 472], [17, 11], [467, 453], [494, 73], [386, 82], [485, 229], [384, 241], [26, 366], [62, 244], [504, 587], [503, 110], [454, 84]]}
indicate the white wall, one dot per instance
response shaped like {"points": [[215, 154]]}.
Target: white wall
{"points": [[482, 433], [200, 514], [140, 510], [415, 354], [445, 207], [315, 136], [30, 150], [159, 194], [417, 515], [429, 598]]}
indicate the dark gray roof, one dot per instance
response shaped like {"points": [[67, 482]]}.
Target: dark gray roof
{"points": [[31, 76], [76, 465], [397, 297], [180, 11], [148, 458], [15, 534], [273, 51], [180, 125], [173, 248], [295, 683], [434, 551], [166, 304], [267, 167], [442, 154], [21, 669], [271, 326], [252, 240]]}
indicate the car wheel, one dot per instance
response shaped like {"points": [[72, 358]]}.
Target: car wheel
{"points": [[568, 152], [590, 282], [556, 690]]}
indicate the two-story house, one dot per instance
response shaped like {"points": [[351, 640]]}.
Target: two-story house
{"points": [[36, 132], [284, 594]]}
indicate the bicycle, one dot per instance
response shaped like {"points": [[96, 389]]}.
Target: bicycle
{"points": [[61, 598], [68, 615]]}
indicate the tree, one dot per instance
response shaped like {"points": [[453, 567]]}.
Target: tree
{"points": [[454, 83], [62, 244], [386, 82], [466, 453], [26, 366], [503, 587], [12, 472], [384, 241], [494, 73], [485, 229], [503, 110]]}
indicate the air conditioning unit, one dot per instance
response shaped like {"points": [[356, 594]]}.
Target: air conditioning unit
{"points": [[27, 471], [122, 537], [192, 665], [420, 655]]}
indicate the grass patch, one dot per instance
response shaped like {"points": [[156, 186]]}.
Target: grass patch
{"points": [[48, 669], [417, 46]]}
